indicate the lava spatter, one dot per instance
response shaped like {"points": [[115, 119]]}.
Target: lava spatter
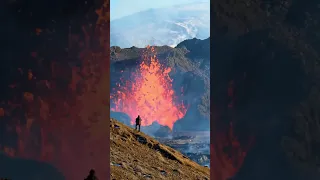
{"points": [[54, 110], [149, 93]]}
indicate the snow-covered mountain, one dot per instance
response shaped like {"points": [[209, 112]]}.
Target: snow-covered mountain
{"points": [[163, 26]]}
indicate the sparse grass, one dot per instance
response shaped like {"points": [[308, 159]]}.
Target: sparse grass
{"points": [[135, 155]]}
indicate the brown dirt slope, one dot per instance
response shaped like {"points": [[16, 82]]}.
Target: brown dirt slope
{"points": [[135, 155]]}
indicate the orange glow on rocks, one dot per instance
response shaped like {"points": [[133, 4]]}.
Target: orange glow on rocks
{"points": [[61, 118], [149, 93]]}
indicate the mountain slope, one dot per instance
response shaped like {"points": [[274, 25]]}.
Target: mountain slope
{"points": [[136, 156], [163, 26]]}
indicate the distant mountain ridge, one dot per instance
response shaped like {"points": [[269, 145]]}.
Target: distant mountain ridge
{"points": [[163, 26]]}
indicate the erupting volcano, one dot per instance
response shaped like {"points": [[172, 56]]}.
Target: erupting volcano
{"points": [[149, 93], [51, 110]]}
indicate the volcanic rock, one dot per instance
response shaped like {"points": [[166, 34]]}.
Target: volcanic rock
{"points": [[190, 63], [156, 129], [135, 155], [163, 131], [201, 158]]}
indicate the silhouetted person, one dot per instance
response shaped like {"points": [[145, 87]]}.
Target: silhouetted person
{"points": [[138, 122], [92, 175]]}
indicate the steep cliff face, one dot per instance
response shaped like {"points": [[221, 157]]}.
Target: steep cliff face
{"points": [[266, 52], [190, 64]]}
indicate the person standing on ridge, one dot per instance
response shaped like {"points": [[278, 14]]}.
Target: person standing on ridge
{"points": [[138, 122]]}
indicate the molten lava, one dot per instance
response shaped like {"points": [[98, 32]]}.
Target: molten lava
{"points": [[57, 115], [227, 152], [149, 93]]}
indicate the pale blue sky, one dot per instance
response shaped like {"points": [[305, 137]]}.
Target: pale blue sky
{"points": [[121, 8]]}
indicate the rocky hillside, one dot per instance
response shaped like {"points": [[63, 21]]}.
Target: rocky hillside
{"points": [[190, 62], [135, 156]]}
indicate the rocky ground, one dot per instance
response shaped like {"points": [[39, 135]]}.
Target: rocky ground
{"points": [[193, 144], [135, 155], [194, 148]]}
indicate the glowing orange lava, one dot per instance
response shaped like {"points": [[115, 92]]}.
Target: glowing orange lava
{"points": [[64, 125], [149, 94]]}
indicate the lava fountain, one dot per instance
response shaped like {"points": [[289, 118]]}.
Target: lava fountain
{"points": [[149, 93], [55, 112]]}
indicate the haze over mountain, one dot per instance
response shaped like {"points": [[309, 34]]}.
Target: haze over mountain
{"points": [[162, 26]]}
